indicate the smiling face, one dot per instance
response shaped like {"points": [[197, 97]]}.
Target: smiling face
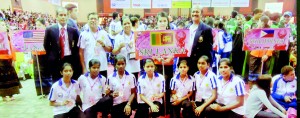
{"points": [[162, 23], [126, 25], [196, 14], [224, 69], [93, 20]]}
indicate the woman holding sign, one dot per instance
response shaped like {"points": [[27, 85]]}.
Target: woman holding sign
{"points": [[64, 94], [124, 45], [9, 82], [150, 91], [122, 84]]}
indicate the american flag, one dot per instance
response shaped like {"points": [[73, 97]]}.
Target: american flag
{"points": [[34, 36]]}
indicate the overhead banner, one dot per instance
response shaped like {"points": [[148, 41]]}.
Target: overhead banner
{"points": [[181, 3], [28, 40], [118, 4], [220, 3], [161, 3], [267, 39], [163, 43], [239, 3], [202, 3], [274, 7], [146, 4], [4, 44]]}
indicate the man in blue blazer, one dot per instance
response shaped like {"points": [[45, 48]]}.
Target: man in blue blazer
{"points": [[201, 40], [72, 13], [60, 43]]}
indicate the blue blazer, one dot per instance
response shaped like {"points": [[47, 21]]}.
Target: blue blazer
{"points": [[51, 42]]}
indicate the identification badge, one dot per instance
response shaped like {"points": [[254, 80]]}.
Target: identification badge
{"points": [[131, 56], [121, 93]]}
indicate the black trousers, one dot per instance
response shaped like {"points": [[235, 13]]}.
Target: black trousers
{"points": [[104, 105], [104, 73], [73, 113], [211, 113], [187, 111], [238, 58], [143, 110], [117, 111]]}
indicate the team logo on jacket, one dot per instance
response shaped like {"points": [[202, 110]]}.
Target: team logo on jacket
{"points": [[200, 39]]}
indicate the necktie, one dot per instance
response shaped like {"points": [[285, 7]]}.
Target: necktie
{"points": [[62, 42]]}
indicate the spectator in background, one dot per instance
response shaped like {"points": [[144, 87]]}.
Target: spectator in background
{"points": [[172, 24], [180, 25], [224, 41], [210, 21], [237, 53], [72, 13], [231, 25], [39, 68]]}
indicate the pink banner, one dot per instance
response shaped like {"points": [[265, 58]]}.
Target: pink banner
{"points": [[162, 43], [28, 40], [4, 44], [267, 39]]}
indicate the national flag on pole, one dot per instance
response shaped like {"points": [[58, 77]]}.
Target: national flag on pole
{"points": [[33, 36], [159, 39], [267, 33]]}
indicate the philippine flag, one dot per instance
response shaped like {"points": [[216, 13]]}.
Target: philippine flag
{"points": [[267, 34]]}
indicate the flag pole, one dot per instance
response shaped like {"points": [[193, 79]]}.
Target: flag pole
{"points": [[39, 73], [163, 69]]}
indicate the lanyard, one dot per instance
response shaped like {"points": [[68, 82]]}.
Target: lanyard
{"points": [[92, 86], [202, 78], [224, 86], [68, 90], [122, 80], [95, 37]]}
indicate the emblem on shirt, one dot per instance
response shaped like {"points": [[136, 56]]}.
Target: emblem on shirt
{"points": [[158, 85], [200, 39], [60, 95], [206, 85], [231, 90], [128, 83]]}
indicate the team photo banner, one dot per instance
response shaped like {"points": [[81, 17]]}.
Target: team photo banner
{"points": [[267, 39], [163, 43], [28, 40], [4, 44]]}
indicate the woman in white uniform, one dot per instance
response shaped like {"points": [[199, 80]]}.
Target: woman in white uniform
{"points": [[96, 96], [260, 96], [182, 86], [64, 94], [122, 84], [231, 92], [206, 86], [124, 45], [150, 92]]}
